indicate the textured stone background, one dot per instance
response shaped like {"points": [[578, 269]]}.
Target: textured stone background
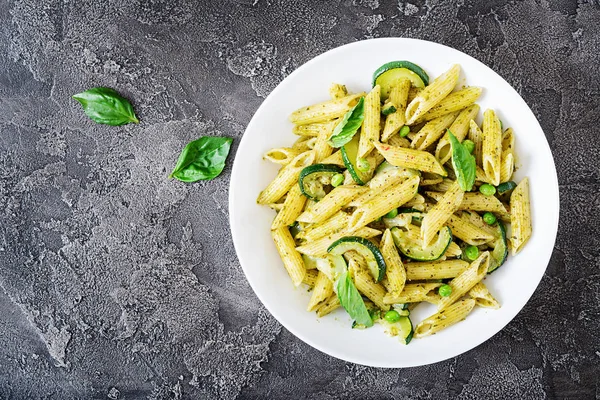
{"points": [[117, 283]]}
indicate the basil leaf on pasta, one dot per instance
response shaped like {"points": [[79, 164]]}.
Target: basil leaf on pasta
{"points": [[347, 127], [463, 163]]}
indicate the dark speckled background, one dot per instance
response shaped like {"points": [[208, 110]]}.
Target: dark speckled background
{"points": [[116, 283]]}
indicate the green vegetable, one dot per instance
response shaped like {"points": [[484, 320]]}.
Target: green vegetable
{"points": [[106, 106], [506, 187], [469, 145], [404, 131], [445, 290], [471, 253], [489, 218], [349, 156], [202, 159], [500, 251], [463, 163], [392, 316], [390, 73], [388, 109], [352, 301], [415, 250], [370, 252], [362, 164], [487, 189], [314, 177], [392, 214], [295, 229], [347, 127], [337, 180]]}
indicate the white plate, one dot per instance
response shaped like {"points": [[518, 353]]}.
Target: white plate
{"points": [[353, 65]]}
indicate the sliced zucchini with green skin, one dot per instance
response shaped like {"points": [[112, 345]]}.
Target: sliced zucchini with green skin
{"points": [[403, 329], [500, 251], [313, 177], [506, 187], [295, 229], [416, 251], [349, 156], [370, 252], [388, 109], [390, 73]]}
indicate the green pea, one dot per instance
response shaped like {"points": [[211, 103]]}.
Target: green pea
{"points": [[489, 218], [487, 189], [405, 130], [392, 316], [471, 253], [337, 180], [469, 145], [392, 214], [445, 290], [362, 164]]}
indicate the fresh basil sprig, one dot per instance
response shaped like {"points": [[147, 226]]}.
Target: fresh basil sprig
{"points": [[106, 106], [347, 127], [202, 159], [352, 301], [463, 163]]}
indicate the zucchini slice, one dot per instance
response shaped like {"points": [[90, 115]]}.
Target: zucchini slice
{"points": [[314, 177], [403, 329], [349, 155], [415, 251], [500, 251], [388, 74], [370, 252], [506, 187]]}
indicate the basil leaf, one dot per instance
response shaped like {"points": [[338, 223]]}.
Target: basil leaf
{"points": [[202, 159], [352, 301], [463, 163], [106, 106], [347, 127]]}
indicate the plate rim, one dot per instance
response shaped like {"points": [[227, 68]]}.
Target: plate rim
{"points": [[233, 192]]}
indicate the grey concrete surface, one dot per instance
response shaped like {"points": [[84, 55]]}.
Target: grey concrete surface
{"points": [[116, 283]]}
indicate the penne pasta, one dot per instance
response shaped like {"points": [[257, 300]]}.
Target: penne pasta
{"points": [[334, 224], [432, 270], [322, 290], [395, 121], [440, 213], [325, 111], [370, 126], [520, 216], [410, 158], [475, 202], [465, 281], [282, 155], [507, 162], [318, 248], [432, 94], [445, 318], [313, 130], [337, 91], [412, 293], [491, 147], [476, 136], [329, 305], [455, 101], [483, 297], [367, 286], [395, 273], [286, 178], [333, 202], [432, 131], [468, 232], [387, 200], [459, 128], [291, 209], [292, 261], [311, 277], [335, 158]]}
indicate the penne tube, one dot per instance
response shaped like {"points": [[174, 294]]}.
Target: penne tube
{"points": [[476, 136], [483, 297], [412, 293], [431, 95], [433, 270], [282, 155], [520, 216], [465, 281], [491, 147], [455, 101], [395, 273], [287, 176], [370, 126], [395, 121], [507, 163], [333, 202], [437, 216], [292, 208], [292, 260], [459, 128], [410, 158], [322, 290], [325, 111], [444, 319], [432, 131], [318, 248]]}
